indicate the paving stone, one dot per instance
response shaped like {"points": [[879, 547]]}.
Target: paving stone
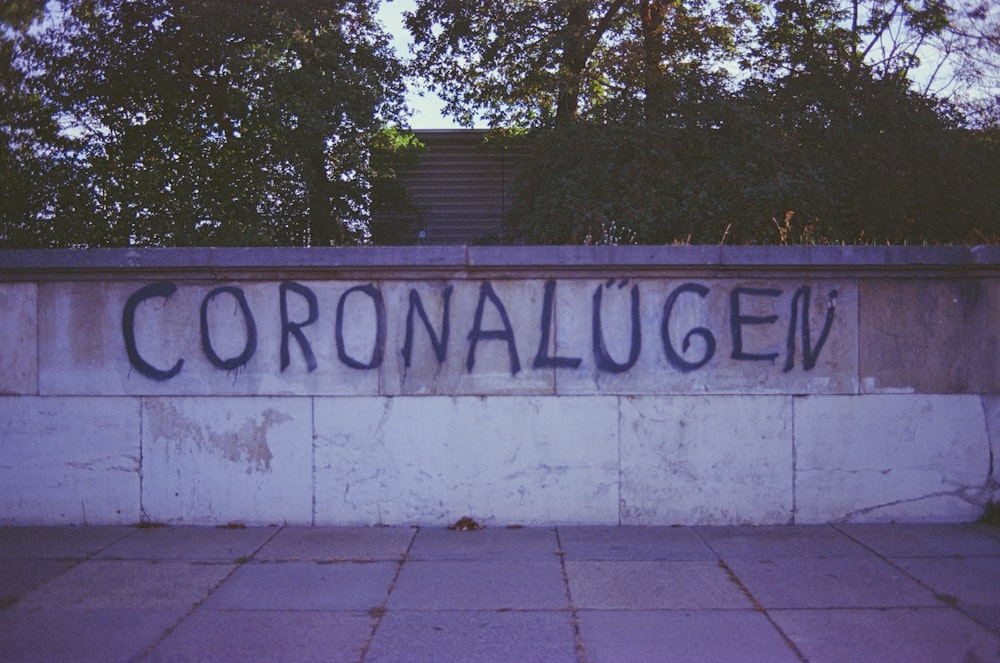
{"points": [[266, 635], [219, 544], [474, 635], [652, 585], [987, 616], [500, 594], [339, 543], [480, 585], [57, 542], [905, 635], [633, 543], [20, 576], [829, 583], [935, 539], [81, 636], [111, 584], [485, 544], [647, 636], [971, 580], [306, 586], [780, 542]]}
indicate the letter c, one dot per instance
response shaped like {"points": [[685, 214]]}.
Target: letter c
{"points": [[159, 289]]}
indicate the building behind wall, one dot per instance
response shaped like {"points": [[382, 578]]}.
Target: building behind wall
{"points": [[460, 189]]}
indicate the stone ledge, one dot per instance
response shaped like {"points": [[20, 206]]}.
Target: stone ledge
{"points": [[27, 264]]}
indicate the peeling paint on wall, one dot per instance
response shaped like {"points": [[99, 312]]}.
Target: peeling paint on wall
{"points": [[244, 442]]}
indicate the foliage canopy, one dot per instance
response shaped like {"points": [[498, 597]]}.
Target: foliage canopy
{"points": [[188, 122], [195, 122], [785, 121]]}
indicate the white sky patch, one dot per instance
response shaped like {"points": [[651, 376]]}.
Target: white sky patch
{"points": [[426, 106]]}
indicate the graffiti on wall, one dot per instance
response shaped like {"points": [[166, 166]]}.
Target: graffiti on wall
{"points": [[747, 309]]}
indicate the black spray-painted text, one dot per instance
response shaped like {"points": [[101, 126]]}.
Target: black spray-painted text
{"points": [[700, 341]]}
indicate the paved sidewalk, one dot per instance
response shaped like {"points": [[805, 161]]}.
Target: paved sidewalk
{"points": [[798, 593]]}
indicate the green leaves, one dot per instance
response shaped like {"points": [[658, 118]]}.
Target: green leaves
{"points": [[657, 121], [812, 162], [538, 64], [208, 122]]}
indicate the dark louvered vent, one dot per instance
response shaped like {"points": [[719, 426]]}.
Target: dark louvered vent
{"points": [[461, 188]]}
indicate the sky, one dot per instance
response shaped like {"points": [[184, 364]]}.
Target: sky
{"points": [[426, 108]]}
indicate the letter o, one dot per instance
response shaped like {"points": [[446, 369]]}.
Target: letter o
{"points": [[251, 327], [380, 328]]}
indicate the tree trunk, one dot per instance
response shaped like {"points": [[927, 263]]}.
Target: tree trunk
{"points": [[580, 39], [324, 228], [573, 64], [654, 82]]}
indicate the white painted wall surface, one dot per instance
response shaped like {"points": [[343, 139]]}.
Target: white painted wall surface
{"points": [[709, 404]]}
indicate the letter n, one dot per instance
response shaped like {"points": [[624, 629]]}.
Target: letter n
{"points": [[440, 345], [809, 354]]}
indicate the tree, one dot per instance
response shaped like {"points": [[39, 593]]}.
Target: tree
{"points": [[882, 166], [891, 162], [23, 117], [208, 122], [657, 121], [534, 64]]}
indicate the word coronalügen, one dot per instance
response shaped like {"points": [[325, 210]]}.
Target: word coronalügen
{"points": [[699, 340]]}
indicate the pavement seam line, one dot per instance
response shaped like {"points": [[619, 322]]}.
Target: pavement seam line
{"points": [[197, 604], [957, 606], [757, 606], [574, 618], [73, 562], [378, 612], [761, 609]]}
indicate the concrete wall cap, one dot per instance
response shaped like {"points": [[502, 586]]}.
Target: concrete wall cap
{"points": [[27, 262]]}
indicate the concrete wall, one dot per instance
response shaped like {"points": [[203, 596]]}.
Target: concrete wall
{"points": [[632, 385]]}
